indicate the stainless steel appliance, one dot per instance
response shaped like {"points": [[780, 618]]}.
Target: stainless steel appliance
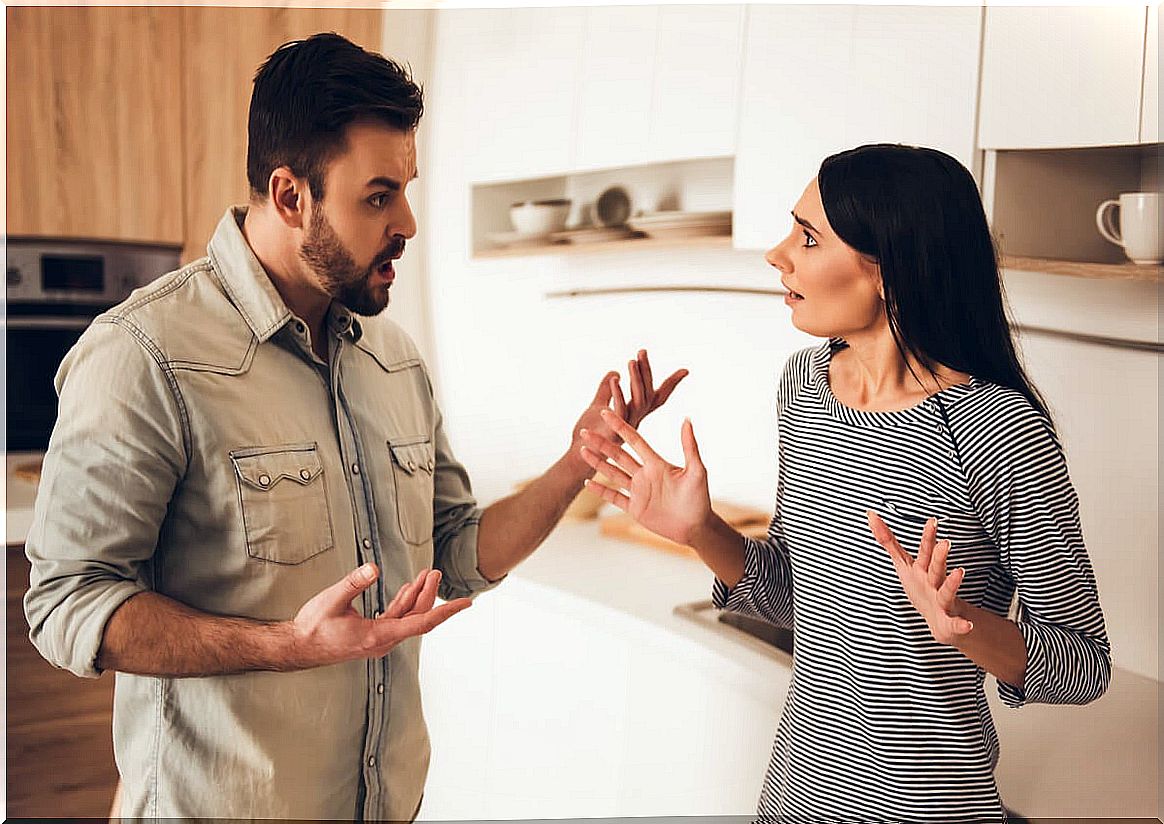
{"points": [[54, 290]]}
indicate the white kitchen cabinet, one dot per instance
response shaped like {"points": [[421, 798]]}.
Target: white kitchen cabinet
{"points": [[695, 110], [515, 86], [819, 79], [1059, 77], [1150, 107], [658, 83], [615, 87]]}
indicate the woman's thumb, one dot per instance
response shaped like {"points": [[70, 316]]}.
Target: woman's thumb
{"points": [[690, 447]]}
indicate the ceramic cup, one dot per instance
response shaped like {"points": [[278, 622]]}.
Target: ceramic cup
{"points": [[1138, 229]]}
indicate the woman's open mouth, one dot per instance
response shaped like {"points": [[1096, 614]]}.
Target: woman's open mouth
{"points": [[793, 297]]}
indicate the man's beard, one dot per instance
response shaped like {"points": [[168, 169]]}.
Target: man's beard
{"points": [[338, 274]]}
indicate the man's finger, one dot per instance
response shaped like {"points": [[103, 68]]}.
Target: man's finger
{"points": [[428, 593], [633, 438], [638, 391], [418, 623], [667, 387], [602, 396], [645, 369], [617, 396], [407, 596]]}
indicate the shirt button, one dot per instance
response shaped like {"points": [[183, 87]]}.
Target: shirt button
{"points": [[430, 466], [300, 328], [304, 474], [355, 469], [412, 466], [951, 454], [371, 761], [264, 480], [379, 689], [367, 542]]}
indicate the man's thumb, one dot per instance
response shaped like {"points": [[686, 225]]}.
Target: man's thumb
{"points": [[355, 582]]}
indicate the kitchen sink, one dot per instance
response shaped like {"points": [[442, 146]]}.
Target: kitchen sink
{"points": [[754, 632]]}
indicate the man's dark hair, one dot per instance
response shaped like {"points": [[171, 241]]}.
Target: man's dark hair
{"points": [[305, 96]]}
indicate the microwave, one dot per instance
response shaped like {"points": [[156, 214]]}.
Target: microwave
{"points": [[55, 287]]}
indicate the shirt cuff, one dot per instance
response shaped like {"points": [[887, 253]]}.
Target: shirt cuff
{"points": [[739, 597], [460, 576], [71, 637], [1035, 678]]}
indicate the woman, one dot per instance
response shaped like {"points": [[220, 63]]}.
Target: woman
{"points": [[913, 426]]}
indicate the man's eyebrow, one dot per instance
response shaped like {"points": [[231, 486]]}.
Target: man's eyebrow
{"points": [[387, 182], [804, 223]]}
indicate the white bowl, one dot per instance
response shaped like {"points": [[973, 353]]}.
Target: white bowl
{"points": [[539, 217]]}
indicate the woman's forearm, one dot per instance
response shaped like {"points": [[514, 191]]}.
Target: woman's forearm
{"points": [[721, 548], [995, 644]]}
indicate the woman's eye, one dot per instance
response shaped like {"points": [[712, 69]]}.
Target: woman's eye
{"points": [[809, 240]]}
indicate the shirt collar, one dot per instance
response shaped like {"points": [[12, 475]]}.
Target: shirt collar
{"points": [[250, 287]]}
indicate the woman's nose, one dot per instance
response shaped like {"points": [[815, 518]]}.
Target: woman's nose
{"points": [[777, 258]]}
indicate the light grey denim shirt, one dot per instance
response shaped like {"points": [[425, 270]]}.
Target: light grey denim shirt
{"points": [[203, 452]]}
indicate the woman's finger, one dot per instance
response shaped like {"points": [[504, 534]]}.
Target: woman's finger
{"points": [[949, 589], [611, 496], [938, 563], [631, 436], [690, 446], [607, 469], [885, 537], [611, 451], [925, 550]]}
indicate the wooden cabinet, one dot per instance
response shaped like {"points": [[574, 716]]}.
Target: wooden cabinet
{"points": [[1059, 77], [224, 47], [131, 123], [818, 79], [95, 123]]}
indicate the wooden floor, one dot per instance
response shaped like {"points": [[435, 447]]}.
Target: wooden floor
{"points": [[60, 739]]}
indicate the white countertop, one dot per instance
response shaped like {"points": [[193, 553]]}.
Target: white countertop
{"points": [[1057, 761], [19, 497]]}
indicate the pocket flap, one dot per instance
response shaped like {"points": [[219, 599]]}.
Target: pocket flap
{"points": [[263, 467], [413, 454]]}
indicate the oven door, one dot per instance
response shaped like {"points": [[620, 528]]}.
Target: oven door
{"points": [[36, 346]]}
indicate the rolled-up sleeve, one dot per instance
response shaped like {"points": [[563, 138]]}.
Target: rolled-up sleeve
{"points": [[1025, 499], [766, 588], [113, 461]]}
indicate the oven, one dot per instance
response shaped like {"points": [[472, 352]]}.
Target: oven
{"points": [[55, 288]]}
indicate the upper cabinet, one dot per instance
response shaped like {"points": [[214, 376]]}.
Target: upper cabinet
{"points": [[224, 47], [547, 91], [1150, 108], [1059, 77], [819, 79], [95, 123]]}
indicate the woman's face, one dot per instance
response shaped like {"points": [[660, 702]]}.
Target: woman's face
{"points": [[834, 291]]}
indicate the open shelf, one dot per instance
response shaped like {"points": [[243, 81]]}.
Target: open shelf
{"points": [[1152, 273], [627, 244]]}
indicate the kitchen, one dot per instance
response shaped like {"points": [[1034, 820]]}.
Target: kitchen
{"points": [[781, 87]]}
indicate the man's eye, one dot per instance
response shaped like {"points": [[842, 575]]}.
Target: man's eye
{"points": [[378, 201], [809, 240]]}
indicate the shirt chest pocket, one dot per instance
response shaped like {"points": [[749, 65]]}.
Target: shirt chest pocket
{"points": [[413, 463], [284, 502]]}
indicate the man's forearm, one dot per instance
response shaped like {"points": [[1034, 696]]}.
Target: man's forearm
{"points": [[150, 634], [512, 528]]}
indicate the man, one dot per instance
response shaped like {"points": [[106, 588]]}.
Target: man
{"points": [[237, 437]]}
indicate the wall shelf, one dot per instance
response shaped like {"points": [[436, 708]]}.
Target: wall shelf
{"points": [[1151, 273], [629, 244]]}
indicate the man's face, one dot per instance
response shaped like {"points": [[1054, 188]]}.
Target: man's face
{"points": [[364, 219]]}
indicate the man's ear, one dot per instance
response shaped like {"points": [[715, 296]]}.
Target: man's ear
{"points": [[289, 196]]}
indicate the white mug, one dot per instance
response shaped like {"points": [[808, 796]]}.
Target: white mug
{"points": [[1139, 225]]}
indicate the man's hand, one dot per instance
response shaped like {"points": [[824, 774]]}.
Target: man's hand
{"points": [[328, 630], [645, 399]]}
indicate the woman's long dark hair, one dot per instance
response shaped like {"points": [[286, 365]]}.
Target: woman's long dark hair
{"points": [[917, 213]]}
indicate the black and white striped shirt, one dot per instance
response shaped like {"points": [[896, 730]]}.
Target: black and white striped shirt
{"points": [[881, 722]]}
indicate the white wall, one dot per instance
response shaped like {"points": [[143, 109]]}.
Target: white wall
{"points": [[515, 368]]}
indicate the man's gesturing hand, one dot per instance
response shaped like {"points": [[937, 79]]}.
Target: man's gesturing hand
{"points": [[328, 629]]}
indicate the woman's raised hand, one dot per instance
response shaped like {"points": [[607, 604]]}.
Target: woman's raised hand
{"points": [[671, 501]]}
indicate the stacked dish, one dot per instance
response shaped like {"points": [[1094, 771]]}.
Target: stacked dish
{"points": [[682, 224]]}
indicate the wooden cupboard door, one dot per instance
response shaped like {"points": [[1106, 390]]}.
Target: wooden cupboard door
{"points": [[1059, 77], [1150, 108], [224, 49], [697, 82], [94, 123]]}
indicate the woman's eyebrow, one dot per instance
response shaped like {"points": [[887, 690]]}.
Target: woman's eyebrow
{"points": [[804, 223]]}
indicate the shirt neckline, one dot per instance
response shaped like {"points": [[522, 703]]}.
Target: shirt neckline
{"points": [[923, 411]]}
